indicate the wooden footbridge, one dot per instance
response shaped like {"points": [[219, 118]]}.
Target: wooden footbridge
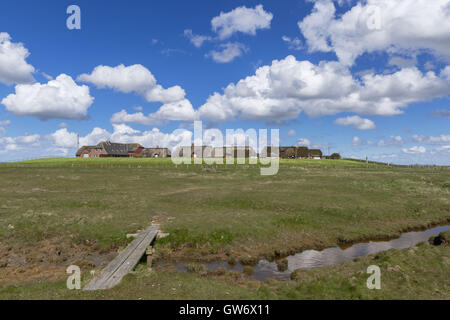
{"points": [[125, 261]]}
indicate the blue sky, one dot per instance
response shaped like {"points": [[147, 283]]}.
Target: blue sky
{"points": [[361, 78]]}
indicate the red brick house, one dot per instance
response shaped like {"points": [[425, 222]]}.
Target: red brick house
{"points": [[106, 149], [293, 153], [315, 154], [155, 153]]}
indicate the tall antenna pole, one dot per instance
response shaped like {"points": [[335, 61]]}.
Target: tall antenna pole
{"points": [[78, 141]]}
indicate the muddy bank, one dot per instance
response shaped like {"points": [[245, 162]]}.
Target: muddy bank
{"points": [[48, 260], [285, 245], [343, 242]]}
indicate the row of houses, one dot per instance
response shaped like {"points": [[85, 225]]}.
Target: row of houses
{"points": [[215, 152], [108, 149], [112, 149], [294, 152]]}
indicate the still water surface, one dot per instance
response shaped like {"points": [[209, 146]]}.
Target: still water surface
{"points": [[331, 256]]}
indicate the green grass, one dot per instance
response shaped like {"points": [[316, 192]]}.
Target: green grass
{"points": [[92, 162], [85, 207]]}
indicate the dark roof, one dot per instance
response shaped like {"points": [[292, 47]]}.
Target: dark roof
{"points": [[234, 151], [286, 148], [180, 150], [234, 148], [287, 152], [302, 152], [119, 149], [84, 148], [315, 152], [150, 152]]}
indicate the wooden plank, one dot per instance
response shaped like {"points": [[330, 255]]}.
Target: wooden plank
{"points": [[124, 262]]}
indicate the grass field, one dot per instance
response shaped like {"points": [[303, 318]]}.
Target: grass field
{"points": [[57, 212]]}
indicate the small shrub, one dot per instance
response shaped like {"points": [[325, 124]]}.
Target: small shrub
{"points": [[248, 271], [249, 261], [199, 269], [282, 265]]}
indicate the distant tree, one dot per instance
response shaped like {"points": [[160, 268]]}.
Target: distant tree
{"points": [[335, 156]]}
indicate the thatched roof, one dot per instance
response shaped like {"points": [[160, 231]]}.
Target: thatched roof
{"points": [[80, 151], [119, 149], [152, 152], [180, 151], [112, 148], [315, 153], [233, 151], [302, 152], [291, 152]]}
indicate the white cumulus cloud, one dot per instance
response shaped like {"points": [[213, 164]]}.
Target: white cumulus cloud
{"points": [[241, 19], [415, 150], [135, 78], [196, 39], [61, 98], [13, 65], [356, 141], [175, 111], [64, 139], [229, 51], [19, 143], [63, 142], [293, 44], [124, 117], [392, 141], [121, 133], [356, 122], [442, 139], [303, 142], [287, 87], [379, 25]]}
